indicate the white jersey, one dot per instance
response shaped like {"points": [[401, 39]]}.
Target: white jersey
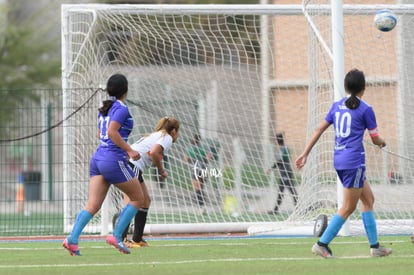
{"points": [[144, 146]]}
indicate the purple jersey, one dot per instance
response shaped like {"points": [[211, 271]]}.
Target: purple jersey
{"points": [[107, 149], [350, 125]]}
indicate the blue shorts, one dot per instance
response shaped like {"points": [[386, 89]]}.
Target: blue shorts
{"points": [[352, 178], [114, 171]]}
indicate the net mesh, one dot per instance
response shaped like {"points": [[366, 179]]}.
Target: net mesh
{"points": [[206, 68]]}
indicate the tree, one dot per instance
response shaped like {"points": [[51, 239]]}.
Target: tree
{"points": [[25, 59], [25, 63]]}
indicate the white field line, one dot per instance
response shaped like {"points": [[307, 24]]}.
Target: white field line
{"points": [[282, 259], [155, 244]]}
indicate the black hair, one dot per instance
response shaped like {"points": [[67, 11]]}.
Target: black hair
{"points": [[279, 138], [354, 83], [116, 87], [196, 139]]}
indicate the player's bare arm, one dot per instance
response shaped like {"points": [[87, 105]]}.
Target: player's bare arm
{"points": [[156, 155], [301, 160]]}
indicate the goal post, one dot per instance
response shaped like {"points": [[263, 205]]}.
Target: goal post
{"points": [[238, 75]]}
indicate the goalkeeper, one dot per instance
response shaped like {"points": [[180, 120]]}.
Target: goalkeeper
{"points": [[286, 176], [197, 157]]}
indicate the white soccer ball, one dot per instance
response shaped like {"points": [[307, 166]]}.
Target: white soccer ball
{"points": [[385, 20]]}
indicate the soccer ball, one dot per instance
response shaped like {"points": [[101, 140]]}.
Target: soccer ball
{"points": [[385, 20]]}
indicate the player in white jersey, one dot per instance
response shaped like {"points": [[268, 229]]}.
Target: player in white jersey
{"points": [[152, 149], [350, 116]]}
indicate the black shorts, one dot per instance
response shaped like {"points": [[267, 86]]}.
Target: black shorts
{"points": [[138, 172]]}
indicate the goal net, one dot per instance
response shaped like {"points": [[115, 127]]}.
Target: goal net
{"points": [[237, 75]]}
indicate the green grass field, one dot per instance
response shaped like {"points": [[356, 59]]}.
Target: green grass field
{"points": [[220, 255]]}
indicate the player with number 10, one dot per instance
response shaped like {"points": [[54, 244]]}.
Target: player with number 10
{"points": [[350, 116]]}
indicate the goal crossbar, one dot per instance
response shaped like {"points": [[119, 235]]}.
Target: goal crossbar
{"points": [[267, 9]]}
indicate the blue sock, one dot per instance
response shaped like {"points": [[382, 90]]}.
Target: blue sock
{"points": [[81, 221], [332, 230], [370, 226], [124, 219]]}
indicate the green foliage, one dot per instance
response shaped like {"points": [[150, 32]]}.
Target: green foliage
{"points": [[27, 61]]}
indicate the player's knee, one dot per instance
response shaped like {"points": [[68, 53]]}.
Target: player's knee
{"points": [[346, 211], [368, 202], [138, 203], [92, 208], [368, 205]]}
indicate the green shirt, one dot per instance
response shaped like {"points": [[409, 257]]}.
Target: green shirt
{"points": [[197, 152]]}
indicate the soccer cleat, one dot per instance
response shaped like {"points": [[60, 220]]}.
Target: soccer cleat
{"points": [[143, 243], [134, 244], [131, 243], [111, 240], [380, 251], [322, 251], [72, 248]]}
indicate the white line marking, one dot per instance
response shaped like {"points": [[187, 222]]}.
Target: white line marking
{"points": [[190, 262]]}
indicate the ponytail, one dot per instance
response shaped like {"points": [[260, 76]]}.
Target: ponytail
{"points": [[352, 102], [354, 84], [107, 104], [167, 124]]}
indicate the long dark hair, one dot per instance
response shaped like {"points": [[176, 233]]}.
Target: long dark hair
{"points": [[354, 83], [280, 139], [116, 87]]}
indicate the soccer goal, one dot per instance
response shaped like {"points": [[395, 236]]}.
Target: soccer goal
{"points": [[237, 75]]}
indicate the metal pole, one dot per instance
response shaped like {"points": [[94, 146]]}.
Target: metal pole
{"points": [[338, 73]]}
